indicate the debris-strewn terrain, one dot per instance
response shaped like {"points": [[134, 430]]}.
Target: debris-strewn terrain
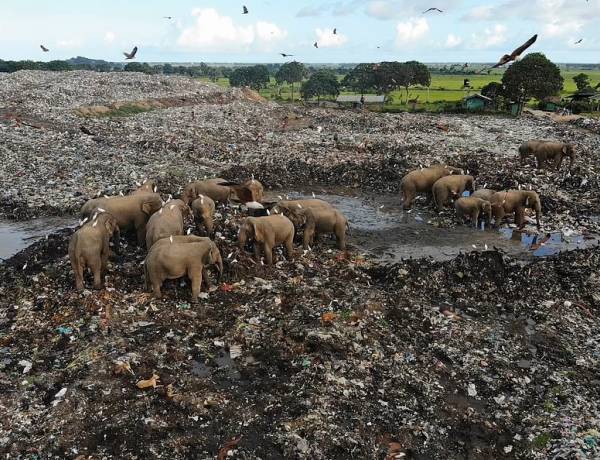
{"points": [[328, 355]]}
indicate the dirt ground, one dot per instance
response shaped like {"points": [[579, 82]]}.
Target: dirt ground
{"points": [[482, 354]]}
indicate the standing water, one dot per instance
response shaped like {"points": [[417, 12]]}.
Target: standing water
{"points": [[16, 236]]}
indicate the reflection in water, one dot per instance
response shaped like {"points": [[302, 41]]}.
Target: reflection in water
{"points": [[16, 236], [544, 245]]}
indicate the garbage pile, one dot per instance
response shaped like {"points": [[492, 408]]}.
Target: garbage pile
{"points": [[326, 355]]}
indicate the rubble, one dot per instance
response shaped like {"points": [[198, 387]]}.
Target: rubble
{"points": [[328, 355]]}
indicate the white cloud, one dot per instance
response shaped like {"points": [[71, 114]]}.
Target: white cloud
{"points": [[327, 39], [381, 9], [453, 41], [213, 32], [309, 11], [109, 37], [69, 43], [490, 37], [562, 28], [480, 13], [411, 31]]}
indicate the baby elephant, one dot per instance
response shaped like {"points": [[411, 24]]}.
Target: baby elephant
{"points": [[516, 201], [450, 187], [203, 209], [172, 258], [268, 232], [166, 222], [545, 152], [319, 221], [471, 207], [89, 247], [421, 181], [207, 187]]}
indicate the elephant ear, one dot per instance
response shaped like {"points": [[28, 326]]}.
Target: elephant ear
{"points": [[147, 207], [207, 257], [565, 149], [110, 225], [258, 231]]}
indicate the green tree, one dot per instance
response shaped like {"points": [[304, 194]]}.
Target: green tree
{"points": [[360, 79], [492, 89], [256, 77], [387, 77], [533, 76], [582, 81], [133, 67], [321, 83], [291, 72], [413, 73]]}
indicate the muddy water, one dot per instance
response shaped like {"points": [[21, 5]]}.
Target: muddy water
{"points": [[382, 229], [15, 236]]}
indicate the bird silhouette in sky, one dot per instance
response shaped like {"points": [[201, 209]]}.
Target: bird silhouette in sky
{"points": [[516, 53], [132, 54], [44, 49], [286, 55], [578, 41], [335, 31], [316, 45], [245, 10], [432, 9]]}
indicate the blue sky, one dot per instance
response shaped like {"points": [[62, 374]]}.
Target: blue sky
{"points": [[216, 31]]}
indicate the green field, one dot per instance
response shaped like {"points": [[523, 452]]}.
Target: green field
{"points": [[444, 88]]}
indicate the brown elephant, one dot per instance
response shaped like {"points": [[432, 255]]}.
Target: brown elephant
{"points": [[131, 212], [268, 232], [450, 187], [516, 201], [421, 181], [167, 221], [484, 193], [203, 209], [148, 186], [288, 207], [251, 191], [472, 207], [89, 247], [547, 151], [170, 258], [318, 221], [207, 187]]}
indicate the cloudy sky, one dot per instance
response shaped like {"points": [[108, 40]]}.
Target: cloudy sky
{"points": [[367, 30]]}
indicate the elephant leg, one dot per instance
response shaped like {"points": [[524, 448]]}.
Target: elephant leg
{"points": [[196, 277], [78, 267], [340, 236], [257, 250], [141, 235], [116, 238], [268, 254], [205, 278], [289, 247], [558, 162], [96, 267], [156, 285], [408, 198], [540, 162], [520, 217], [475, 218]]}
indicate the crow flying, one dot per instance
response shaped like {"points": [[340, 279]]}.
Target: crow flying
{"points": [[316, 45], [168, 17], [286, 55], [432, 9], [132, 54], [334, 31], [516, 53], [245, 10], [44, 49], [578, 41]]}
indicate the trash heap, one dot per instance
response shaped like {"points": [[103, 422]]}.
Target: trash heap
{"points": [[327, 355]]}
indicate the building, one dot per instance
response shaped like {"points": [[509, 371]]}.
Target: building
{"points": [[550, 104], [354, 101], [477, 103]]}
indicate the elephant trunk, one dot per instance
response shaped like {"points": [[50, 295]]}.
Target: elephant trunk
{"points": [[219, 264], [572, 160], [242, 238]]}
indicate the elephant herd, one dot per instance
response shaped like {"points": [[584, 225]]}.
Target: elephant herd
{"points": [[445, 183], [171, 254], [159, 225]]}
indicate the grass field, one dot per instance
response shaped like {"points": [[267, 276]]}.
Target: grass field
{"points": [[444, 88]]}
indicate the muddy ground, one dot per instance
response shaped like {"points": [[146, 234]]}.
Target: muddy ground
{"points": [[462, 352]]}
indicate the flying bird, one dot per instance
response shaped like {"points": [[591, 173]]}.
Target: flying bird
{"points": [[578, 41], [432, 9], [245, 10], [516, 53], [335, 31], [316, 45], [286, 55], [132, 54], [44, 49], [168, 17]]}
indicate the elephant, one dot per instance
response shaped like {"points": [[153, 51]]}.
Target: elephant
{"points": [[483, 193], [148, 186], [321, 220], [203, 209], [172, 258], [268, 232], [251, 191], [472, 206], [545, 151], [131, 211], [208, 187], [450, 187], [167, 221], [422, 180], [516, 201], [288, 207], [89, 247]]}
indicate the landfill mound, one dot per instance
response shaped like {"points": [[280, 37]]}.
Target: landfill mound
{"points": [[329, 355]]}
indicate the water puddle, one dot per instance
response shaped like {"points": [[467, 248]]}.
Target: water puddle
{"points": [[16, 236], [381, 228]]}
